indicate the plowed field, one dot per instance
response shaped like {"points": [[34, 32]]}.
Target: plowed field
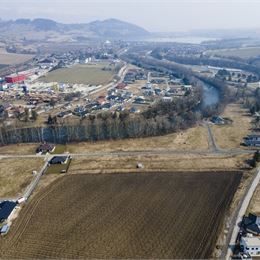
{"points": [[152, 215]]}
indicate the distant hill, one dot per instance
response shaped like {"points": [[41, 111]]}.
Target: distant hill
{"points": [[117, 28], [110, 28]]}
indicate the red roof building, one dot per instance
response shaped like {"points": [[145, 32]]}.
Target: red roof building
{"points": [[15, 78], [121, 86]]}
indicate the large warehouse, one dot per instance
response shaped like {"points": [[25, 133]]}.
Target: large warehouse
{"points": [[15, 78]]}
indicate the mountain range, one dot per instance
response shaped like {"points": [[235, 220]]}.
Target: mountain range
{"points": [[110, 28]]}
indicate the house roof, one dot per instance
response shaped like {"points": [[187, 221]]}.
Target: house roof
{"points": [[58, 159], [253, 228], [253, 136], [252, 241], [6, 208]]}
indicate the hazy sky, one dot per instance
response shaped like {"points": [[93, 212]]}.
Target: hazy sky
{"points": [[154, 15]]}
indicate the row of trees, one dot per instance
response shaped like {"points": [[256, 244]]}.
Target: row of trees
{"points": [[162, 118]]}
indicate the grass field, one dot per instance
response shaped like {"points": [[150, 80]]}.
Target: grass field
{"points": [[123, 216], [192, 138], [244, 53], [19, 149], [16, 175], [181, 162], [82, 74], [12, 58], [231, 136], [254, 206]]}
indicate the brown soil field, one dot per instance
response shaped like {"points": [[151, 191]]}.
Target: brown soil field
{"points": [[16, 175], [151, 215], [231, 136], [13, 58]]}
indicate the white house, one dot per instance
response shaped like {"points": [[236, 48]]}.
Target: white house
{"points": [[251, 245]]}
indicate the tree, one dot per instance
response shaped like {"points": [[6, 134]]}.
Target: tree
{"points": [[26, 114], [257, 156], [34, 115], [52, 102], [49, 120]]}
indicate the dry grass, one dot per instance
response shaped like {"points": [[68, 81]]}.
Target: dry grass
{"points": [[193, 138], [231, 136], [244, 53], [254, 206], [81, 74], [18, 149], [107, 164], [16, 174], [12, 58]]}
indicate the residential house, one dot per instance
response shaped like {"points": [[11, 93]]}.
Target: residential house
{"points": [[45, 148], [6, 210], [251, 245], [252, 140]]}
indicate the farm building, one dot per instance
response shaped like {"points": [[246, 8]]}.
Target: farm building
{"points": [[45, 148], [59, 160], [252, 140], [6, 209], [251, 245]]}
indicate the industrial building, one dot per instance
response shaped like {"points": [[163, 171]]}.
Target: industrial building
{"points": [[15, 78]]}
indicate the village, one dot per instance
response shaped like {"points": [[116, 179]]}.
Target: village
{"points": [[28, 96]]}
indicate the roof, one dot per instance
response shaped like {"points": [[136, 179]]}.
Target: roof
{"points": [[6, 208], [253, 136], [58, 159], [253, 228], [251, 241], [45, 147], [4, 228]]}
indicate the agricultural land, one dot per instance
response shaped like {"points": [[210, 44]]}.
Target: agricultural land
{"points": [[124, 216], [13, 58], [91, 74], [243, 53]]}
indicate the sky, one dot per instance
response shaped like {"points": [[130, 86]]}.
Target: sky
{"points": [[153, 15]]}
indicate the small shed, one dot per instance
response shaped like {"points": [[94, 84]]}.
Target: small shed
{"points": [[4, 230]]}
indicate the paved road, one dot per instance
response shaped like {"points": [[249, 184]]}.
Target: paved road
{"points": [[242, 207]]}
